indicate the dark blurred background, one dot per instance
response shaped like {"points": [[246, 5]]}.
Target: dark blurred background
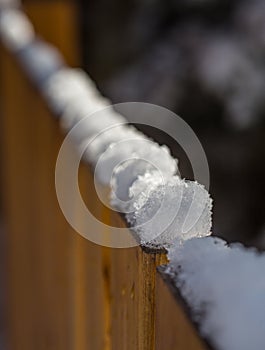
{"points": [[204, 60]]}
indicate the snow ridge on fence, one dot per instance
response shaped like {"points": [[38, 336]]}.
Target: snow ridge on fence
{"points": [[141, 173]]}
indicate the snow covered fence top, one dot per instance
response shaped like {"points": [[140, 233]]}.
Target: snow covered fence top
{"points": [[142, 174], [224, 286]]}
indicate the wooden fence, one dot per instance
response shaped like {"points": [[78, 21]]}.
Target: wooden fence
{"points": [[65, 292]]}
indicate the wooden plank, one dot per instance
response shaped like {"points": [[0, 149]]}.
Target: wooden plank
{"points": [[133, 296], [40, 249], [55, 22], [39, 240], [91, 300], [173, 328]]}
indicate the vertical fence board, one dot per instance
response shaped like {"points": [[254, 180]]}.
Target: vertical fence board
{"points": [[173, 329], [40, 250], [38, 240], [133, 296], [91, 301]]}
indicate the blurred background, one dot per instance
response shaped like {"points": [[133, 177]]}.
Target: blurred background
{"points": [[204, 60]]}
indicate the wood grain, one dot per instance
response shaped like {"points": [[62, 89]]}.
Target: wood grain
{"points": [[174, 330], [39, 240]]}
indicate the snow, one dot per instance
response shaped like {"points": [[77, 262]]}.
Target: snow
{"points": [[15, 29], [107, 138], [142, 174], [40, 60], [169, 208], [81, 107], [138, 157], [97, 131], [71, 87], [225, 288], [159, 205], [9, 3]]}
